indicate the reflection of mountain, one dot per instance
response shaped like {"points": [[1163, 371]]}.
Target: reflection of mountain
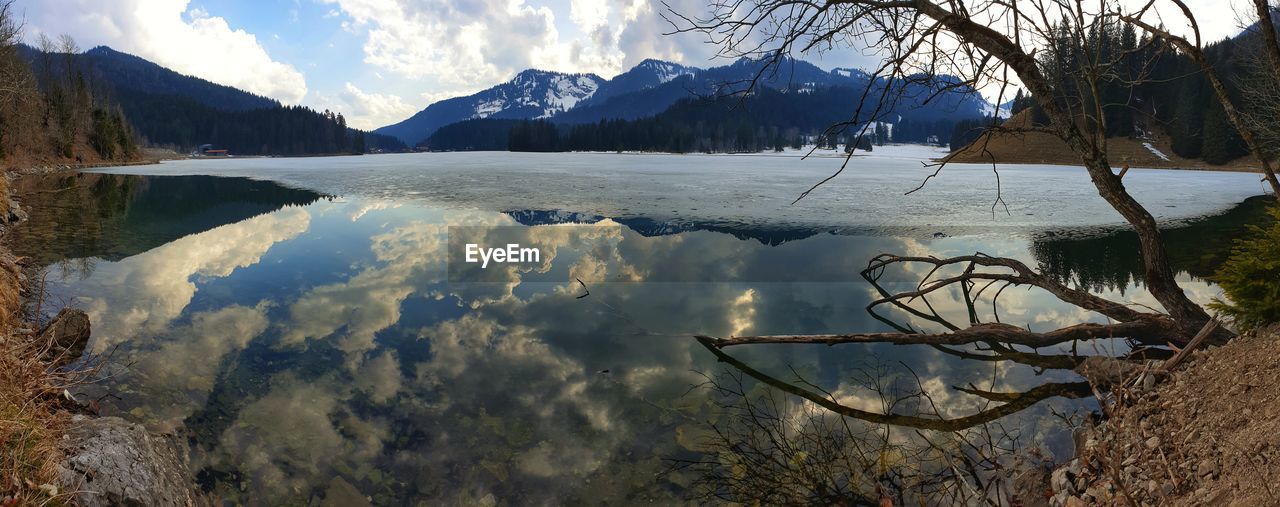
{"points": [[649, 227], [1111, 261], [111, 217]]}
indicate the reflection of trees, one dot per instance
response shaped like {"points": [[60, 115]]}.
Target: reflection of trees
{"points": [[834, 453], [116, 216], [1107, 261], [767, 449]]}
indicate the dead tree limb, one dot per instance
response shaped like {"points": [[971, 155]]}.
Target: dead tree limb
{"points": [[1152, 330], [982, 42], [1012, 403]]}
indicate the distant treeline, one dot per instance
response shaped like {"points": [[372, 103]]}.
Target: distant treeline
{"points": [[168, 120], [763, 121]]}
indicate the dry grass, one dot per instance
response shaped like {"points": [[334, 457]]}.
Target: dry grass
{"points": [[1042, 148], [30, 427], [31, 421]]}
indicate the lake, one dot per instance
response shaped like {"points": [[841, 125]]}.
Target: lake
{"points": [[307, 325]]}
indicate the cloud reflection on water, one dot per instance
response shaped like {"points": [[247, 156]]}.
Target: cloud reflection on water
{"points": [[355, 359]]}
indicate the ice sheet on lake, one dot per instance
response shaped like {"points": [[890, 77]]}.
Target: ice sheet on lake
{"points": [[748, 190]]}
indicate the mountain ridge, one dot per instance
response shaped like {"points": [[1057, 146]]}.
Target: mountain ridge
{"points": [[171, 109], [646, 89]]}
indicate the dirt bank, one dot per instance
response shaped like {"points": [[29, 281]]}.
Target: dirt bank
{"points": [[1207, 434], [1149, 150]]}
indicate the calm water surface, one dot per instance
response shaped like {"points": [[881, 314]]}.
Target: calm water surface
{"points": [[308, 337]]}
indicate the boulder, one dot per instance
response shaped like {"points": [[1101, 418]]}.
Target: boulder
{"points": [[68, 333], [111, 461]]}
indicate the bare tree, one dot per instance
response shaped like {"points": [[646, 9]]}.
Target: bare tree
{"points": [[1193, 48], [1260, 84], [985, 44], [13, 81]]}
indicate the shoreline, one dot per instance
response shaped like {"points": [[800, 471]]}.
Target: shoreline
{"points": [[67, 454], [1204, 434]]}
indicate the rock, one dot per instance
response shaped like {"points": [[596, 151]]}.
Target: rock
{"points": [[1152, 443], [1207, 468], [342, 494], [1080, 437], [1167, 488], [1031, 487], [111, 461], [1060, 481], [68, 333], [16, 213]]}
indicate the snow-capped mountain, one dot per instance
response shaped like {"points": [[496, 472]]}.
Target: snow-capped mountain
{"points": [[1004, 111], [851, 73], [552, 92], [644, 90], [648, 74], [531, 94]]}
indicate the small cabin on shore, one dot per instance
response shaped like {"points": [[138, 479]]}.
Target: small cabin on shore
{"points": [[207, 150]]}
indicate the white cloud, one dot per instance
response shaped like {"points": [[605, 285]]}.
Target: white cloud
{"points": [[191, 41], [366, 110], [158, 284], [460, 47]]}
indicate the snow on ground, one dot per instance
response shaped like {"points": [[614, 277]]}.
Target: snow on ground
{"points": [[1156, 151], [752, 190]]}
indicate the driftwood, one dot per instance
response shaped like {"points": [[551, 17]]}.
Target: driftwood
{"points": [[1186, 351]]}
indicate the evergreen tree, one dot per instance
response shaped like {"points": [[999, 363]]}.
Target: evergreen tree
{"points": [[1185, 128], [1221, 143]]}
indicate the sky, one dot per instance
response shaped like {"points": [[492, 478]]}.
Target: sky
{"points": [[380, 61]]}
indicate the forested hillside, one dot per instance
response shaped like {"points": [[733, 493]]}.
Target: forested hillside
{"points": [[54, 113], [654, 86], [124, 70], [768, 119], [180, 112], [1173, 104]]}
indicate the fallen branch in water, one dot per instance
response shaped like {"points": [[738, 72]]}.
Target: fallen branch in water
{"points": [[1013, 402], [990, 332]]}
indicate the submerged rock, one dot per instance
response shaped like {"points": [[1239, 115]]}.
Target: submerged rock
{"points": [[111, 461], [68, 334]]}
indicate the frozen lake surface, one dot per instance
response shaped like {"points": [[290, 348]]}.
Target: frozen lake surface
{"points": [[329, 346], [747, 190]]}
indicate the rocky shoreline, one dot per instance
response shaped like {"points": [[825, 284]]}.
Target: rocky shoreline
{"points": [[1208, 433], [104, 460]]}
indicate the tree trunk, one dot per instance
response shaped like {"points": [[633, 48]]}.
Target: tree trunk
{"points": [[1158, 275]]}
